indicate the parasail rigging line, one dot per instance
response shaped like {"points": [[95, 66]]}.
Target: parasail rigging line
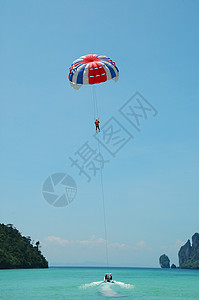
{"points": [[95, 104], [101, 177], [104, 210]]}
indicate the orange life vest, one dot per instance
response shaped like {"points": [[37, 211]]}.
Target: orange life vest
{"points": [[96, 122]]}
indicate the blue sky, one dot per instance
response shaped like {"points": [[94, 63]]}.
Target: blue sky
{"points": [[150, 186]]}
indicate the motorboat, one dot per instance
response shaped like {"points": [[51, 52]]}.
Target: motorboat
{"points": [[108, 277]]}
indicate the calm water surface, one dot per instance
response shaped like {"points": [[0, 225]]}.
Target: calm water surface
{"points": [[87, 283]]}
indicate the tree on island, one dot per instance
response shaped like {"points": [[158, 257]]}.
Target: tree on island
{"points": [[17, 251], [37, 245]]}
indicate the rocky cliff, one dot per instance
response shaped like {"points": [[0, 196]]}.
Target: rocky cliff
{"points": [[164, 261], [189, 254]]}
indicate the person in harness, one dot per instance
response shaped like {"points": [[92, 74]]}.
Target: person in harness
{"points": [[97, 124], [108, 277]]}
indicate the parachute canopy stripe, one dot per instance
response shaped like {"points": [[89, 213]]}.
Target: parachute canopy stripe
{"points": [[92, 69], [80, 75], [111, 69]]}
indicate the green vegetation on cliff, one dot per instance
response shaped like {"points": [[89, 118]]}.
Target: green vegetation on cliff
{"points": [[189, 255], [17, 251]]}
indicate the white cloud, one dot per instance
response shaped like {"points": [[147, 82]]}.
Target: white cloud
{"points": [[91, 243], [56, 240], [92, 250], [142, 245], [119, 246]]}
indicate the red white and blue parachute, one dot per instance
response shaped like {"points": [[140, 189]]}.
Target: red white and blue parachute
{"points": [[92, 69]]}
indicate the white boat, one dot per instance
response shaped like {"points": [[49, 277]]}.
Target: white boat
{"points": [[108, 277]]}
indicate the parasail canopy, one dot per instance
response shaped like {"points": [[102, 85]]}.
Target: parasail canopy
{"points": [[92, 69]]}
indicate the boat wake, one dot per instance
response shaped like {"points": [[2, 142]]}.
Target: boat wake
{"points": [[114, 289], [92, 284], [107, 291], [124, 285]]}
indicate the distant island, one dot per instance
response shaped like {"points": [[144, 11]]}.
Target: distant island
{"points": [[188, 255], [17, 251], [164, 261]]}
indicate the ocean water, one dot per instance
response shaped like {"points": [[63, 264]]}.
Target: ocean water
{"points": [[87, 283]]}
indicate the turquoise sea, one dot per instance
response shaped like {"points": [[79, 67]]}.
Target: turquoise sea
{"points": [[87, 283]]}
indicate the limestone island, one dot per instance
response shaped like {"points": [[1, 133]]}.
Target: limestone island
{"points": [[17, 251], [188, 255], [164, 261]]}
